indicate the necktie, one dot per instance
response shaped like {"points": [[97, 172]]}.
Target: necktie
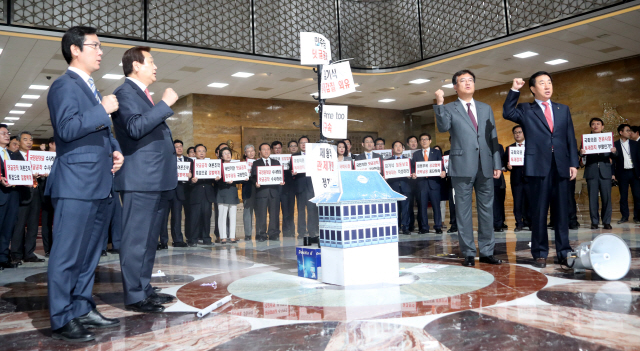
{"points": [[146, 92], [369, 156], [473, 118], [93, 89], [547, 115], [519, 145], [426, 155], [267, 162], [5, 155]]}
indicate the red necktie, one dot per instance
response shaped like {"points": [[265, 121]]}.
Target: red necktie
{"points": [[519, 145], [146, 92], [547, 115], [471, 116]]}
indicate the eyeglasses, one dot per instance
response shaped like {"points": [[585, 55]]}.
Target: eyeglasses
{"points": [[4, 133], [518, 132], [95, 46]]}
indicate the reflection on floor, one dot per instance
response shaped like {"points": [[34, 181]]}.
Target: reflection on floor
{"points": [[436, 304]]}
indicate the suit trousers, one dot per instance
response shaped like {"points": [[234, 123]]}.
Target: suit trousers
{"points": [[23, 243], [413, 199], [287, 204], [271, 205], [78, 230], [551, 191], [47, 224], [603, 186], [498, 206], [200, 216], [463, 187], [452, 210], [625, 179], [8, 217], [175, 210], [142, 217], [429, 195], [521, 207], [247, 215], [307, 215], [113, 231]]}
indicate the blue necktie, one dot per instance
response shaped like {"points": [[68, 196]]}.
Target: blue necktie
{"points": [[93, 89]]}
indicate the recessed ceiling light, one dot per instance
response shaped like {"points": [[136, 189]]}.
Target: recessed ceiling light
{"points": [[314, 94], [31, 97], [113, 76], [20, 104], [419, 81], [387, 100], [217, 85], [120, 64], [556, 62], [242, 74], [526, 54], [15, 112], [39, 87], [626, 79], [1, 51], [9, 123], [12, 118], [448, 85], [151, 93]]}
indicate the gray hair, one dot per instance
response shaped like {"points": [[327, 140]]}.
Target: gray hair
{"points": [[249, 146]]}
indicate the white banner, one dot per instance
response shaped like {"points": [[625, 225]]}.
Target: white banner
{"points": [[18, 172], [336, 80], [249, 164], [334, 121], [386, 153], [516, 155], [234, 171], [345, 165], [298, 163], [41, 161], [397, 168], [207, 169], [445, 159], [315, 49], [367, 165], [428, 169], [597, 143], [320, 160], [284, 159], [408, 153], [270, 175], [183, 171]]}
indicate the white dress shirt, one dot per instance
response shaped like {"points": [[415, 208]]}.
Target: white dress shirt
{"points": [[427, 150], [628, 164], [539, 102], [368, 155], [473, 108], [82, 75], [138, 83], [265, 161]]}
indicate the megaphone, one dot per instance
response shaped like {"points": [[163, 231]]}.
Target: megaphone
{"points": [[608, 255]]}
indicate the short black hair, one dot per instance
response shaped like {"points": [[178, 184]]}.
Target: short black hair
{"points": [[635, 129], [225, 148], [52, 140], [133, 55], [513, 130], [532, 80], [622, 126], [438, 147], [376, 141], [365, 138], [273, 144], [599, 120], [178, 141], [346, 149], [347, 139], [198, 145], [395, 142], [13, 137], [192, 147], [300, 138], [74, 36], [25, 132], [292, 141], [425, 134], [412, 136], [260, 147], [454, 80], [2, 125]]}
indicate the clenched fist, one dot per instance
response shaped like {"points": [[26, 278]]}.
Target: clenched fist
{"points": [[517, 83], [439, 97], [110, 103], [169, 97]]}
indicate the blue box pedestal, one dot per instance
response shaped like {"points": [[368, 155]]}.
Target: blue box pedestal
{"points": [[309, 262], [361, 265]]}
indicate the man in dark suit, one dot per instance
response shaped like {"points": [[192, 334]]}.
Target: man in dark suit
{"points": [[402, 186], [201, 197], [9, 202], [598, 174], [429, 186], [47, 209], [414, 198], [368, 146], [627, 173], [80, 185], [308, 224], [287, 196], [474, 162], [177, 199], [147, 178], [551, 160], [499, 193], [267, 198], [519, 185]]}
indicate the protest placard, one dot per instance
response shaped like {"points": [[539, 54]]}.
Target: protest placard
{"points": [[397, 168], [234, 171], [408, 153], [334, 121], [516, 155], [445, 160], [284, 159], [183, 171], [207, 169], [298, 163], [337, 80], [41, 161], [18, 172], [249, 164], [386, 153], [345, 165], [270, 175], [367, 165], [428, 169], [315, 49], [597, 143]]}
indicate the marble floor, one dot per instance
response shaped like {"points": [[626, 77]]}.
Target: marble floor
{"points": [[436, 304]]}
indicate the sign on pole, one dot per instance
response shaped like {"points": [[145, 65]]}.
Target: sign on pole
{"points": [[41, 161], [18, 172], [270, 175], [315, 49], [597, 143], [183, 171], [207, 169], [334, 121], [336, 80], [428, 169], [397, 168]]}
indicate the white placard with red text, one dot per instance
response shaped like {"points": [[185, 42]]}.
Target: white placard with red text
{"points": [[345, 165], [234, 171], [315, 49], [18, 172], [386, 153], [183, 171], [408, 153], [41, 161], [367, 165], [207, 169], [284, 159], [334, 121], [337, 80], [445, 160], [428, 169], [298, 163], [270, 175], [597, 143], [516, 155], [321, 160], [397, 168], [249, 164]]}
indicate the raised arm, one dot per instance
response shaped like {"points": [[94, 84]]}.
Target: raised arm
{"points": [[509, 108], [136, 122], [443, 117]]}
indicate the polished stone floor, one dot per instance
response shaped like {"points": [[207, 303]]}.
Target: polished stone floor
{"points": [[436, 304]]}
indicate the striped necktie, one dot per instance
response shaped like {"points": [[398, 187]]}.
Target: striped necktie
{"points": [[93, 89]]}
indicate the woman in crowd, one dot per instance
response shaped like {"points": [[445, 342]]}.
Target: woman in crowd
{"points": [[227, 199], [342, 152]]}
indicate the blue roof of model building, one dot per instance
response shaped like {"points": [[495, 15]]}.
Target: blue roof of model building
{"points": [[360, 186]]}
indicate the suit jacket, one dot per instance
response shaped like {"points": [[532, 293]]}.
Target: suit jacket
{"points": [[542, 144], [401, 185], [469, 146], [430, 182], [265, 190], [618, 158], [6, 191], [500, 183], [145, 138], [182, 189], [598, 165], [201, 191], [303, 183], [26, 193], [84, 143], [517, 172], [363, 156]]}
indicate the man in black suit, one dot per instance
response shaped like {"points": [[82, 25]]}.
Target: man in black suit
{"points": [[414, 198], [9, 202], [380, 144], [148, 176], [287, 196], [201, 197], [23, 243], [499, 193], [368, 146], [177, 199], [429, 186], [267, 198], [627, 172], [402, 186], [308, 224], [598, 174], [519, 184], [47, 208]]}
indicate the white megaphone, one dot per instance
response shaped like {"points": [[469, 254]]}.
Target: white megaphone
{"points": [[608, 255]]}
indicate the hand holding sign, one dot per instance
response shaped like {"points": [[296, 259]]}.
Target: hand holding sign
{"points": [[597, 143]]}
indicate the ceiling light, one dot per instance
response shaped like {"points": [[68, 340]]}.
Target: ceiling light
{"points": [[15, 112], [120, 64], [1, 51], [31, 97], [242, 74], [113, 76], [12, 118], [448, 85], [556, 62], [314, 94], [217, 85], [387, 100], [23, 105], [626, 79], [39, 87], [151, 93], [9, 123], [419, 81], [526, 54]]}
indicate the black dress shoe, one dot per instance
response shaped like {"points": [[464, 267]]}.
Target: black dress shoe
{"points": [[406, 232], [8, 264], [180, 244], [193, 244], [623, 220], [504, 226], [574, 226], [103, 253], [636, 221], [594, 226], [262, 238], [490, 260], [563, 262], [470, 261], [73, 332], [550, 225], [452, 230], [145, 306], [94, 319], [539, 262], [423, 231], [156, 289], [518, 229], [438, 231], [35, 259], [46, 254], [160, 298], [607, 226], [114, 251], [499, 230], [274, 237]]}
